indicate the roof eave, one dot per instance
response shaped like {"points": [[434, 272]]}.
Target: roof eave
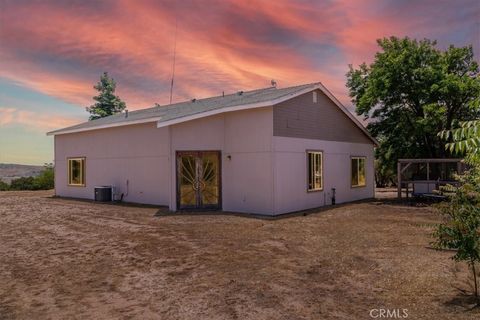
{"points": [[199, 115], [105, 126]]}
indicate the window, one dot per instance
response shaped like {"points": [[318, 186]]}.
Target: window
{"points": [[315, 97], [358, 172], [315, 172], [76, 172]]}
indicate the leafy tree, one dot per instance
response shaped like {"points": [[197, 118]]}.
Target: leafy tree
{"points": [[460, 229], [466, 139], [411, 91], [384, 176], [107, 103]]}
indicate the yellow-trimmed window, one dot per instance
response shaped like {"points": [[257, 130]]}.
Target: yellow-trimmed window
{"points": [[76, 172], [358, 172], [314, 170]]}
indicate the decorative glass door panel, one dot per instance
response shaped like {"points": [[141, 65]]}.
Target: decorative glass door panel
{"points": [[188, 185], [198, 180], [209, 179]]}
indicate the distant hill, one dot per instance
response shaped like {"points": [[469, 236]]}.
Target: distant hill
{"points": [[10, 171]]}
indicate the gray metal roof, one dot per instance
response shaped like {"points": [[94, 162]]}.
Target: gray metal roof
{"points": [[190, 107], [193, 109]]}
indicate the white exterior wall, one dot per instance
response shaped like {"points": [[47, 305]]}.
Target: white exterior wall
{"points": [[265, 175], [137, 153], [290, 167], [146, 156], [247, 137]]}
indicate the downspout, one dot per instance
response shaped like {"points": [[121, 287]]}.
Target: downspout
{"points": [[55, 175], [222, 164], [374, 182], [273, 162], [173, 197]]}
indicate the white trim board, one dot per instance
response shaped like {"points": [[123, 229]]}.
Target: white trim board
{"points": [[104, 126]]}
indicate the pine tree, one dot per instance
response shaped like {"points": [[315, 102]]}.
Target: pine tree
{"points": [[107, 103]]}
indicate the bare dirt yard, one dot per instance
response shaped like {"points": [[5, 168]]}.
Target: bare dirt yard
{"points": [[69, 259]]}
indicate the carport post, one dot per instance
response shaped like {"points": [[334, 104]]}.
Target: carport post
{"points": [[399, 180]]}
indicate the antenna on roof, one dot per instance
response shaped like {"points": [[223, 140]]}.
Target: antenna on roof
{"points": [[274, 83], [173, 65]]}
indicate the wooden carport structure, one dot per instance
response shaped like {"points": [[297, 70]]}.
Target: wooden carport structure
{"points": [[426, 175]]}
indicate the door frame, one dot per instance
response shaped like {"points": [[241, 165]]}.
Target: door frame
{"points": [[178, 154]]}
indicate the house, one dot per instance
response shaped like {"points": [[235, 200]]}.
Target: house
{"points": [[268, 151]]}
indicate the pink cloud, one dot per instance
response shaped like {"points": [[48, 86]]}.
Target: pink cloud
{"points": [[141, 44], [7, 116], [60, 50], [33, 120]]}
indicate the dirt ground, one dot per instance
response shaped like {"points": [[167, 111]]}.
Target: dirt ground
{"points": [[68, 259]]}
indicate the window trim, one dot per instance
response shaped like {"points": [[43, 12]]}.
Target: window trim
{"points": [[83, 170], [351, 172], [307, 152]]}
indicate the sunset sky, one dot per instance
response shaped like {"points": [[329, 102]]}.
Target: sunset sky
{"points": [[53, 52]]}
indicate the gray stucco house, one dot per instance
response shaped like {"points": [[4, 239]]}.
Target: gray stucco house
{"points": [[268, 151]]}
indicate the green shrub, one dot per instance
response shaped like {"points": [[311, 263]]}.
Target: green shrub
{"points": [[4, 186], [23, 183], [460, 229], [44, 181]]}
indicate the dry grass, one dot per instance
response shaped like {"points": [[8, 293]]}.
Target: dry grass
{"points": [[64, 259]]}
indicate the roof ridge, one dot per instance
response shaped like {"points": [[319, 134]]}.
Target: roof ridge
{"points": [[299, 87], [226, 95]]}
